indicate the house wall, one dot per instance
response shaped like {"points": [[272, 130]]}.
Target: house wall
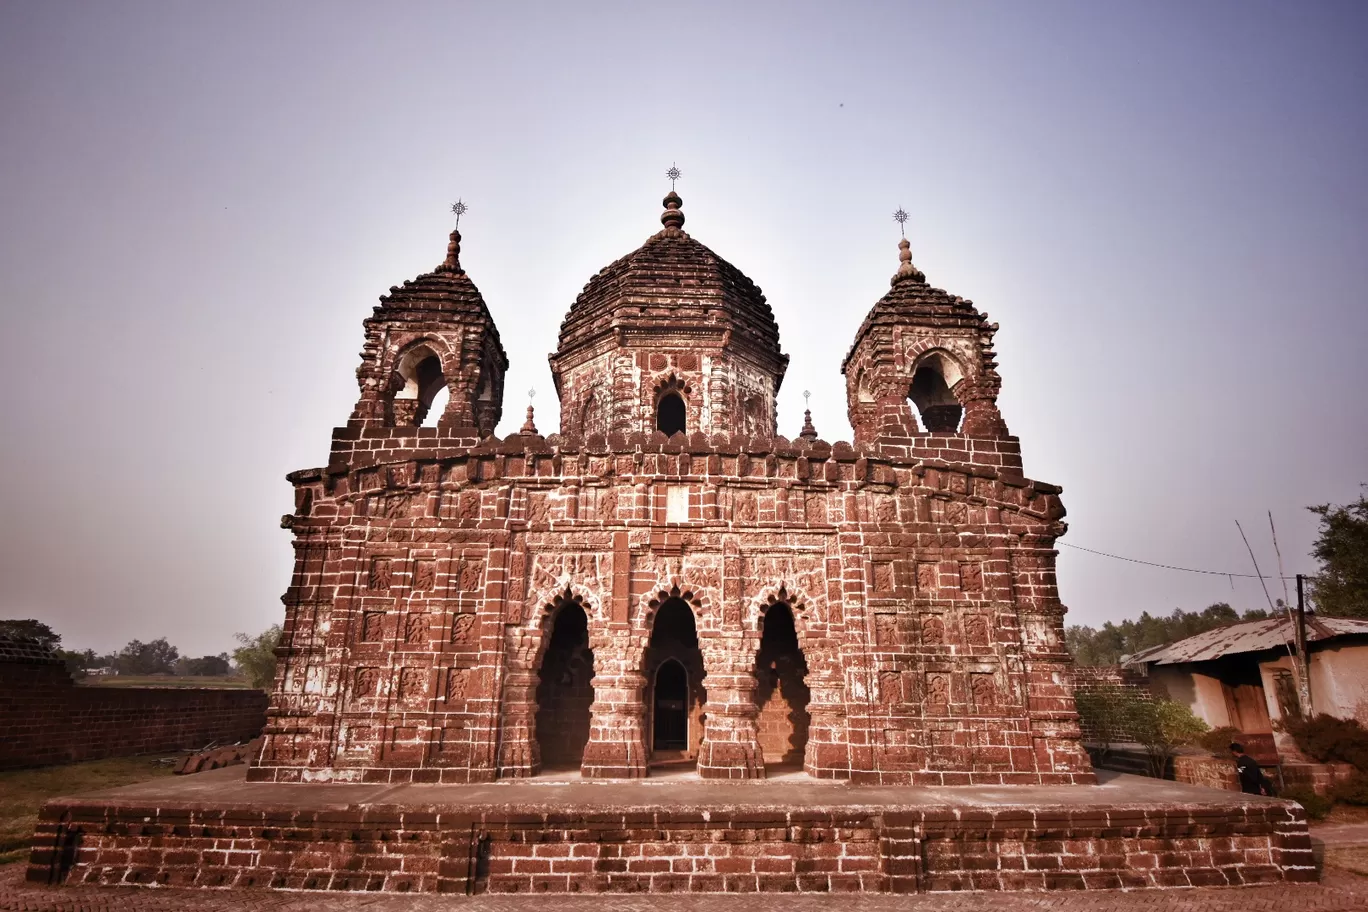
{"points": [[1339, 681], [1200, 693]]}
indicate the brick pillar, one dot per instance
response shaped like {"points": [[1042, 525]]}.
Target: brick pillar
{"points": [[827, 753], [1057, 741], [519, 753], [617, 717], [731, 744], [982, 418]]}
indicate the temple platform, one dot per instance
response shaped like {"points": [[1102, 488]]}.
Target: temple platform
{"points": [[668, 833]]}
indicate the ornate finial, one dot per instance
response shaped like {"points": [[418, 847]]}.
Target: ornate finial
{"points": [[808, 432], [905, 268], [674, 174], [901, 218], [529, 426], [672, 218], [452, 263]]}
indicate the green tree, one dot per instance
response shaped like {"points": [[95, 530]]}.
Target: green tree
{"points": [[1341, 587], [32, 630], [1163, 727], [78, 663], [204, 665], [256, 656], [139, 658], [1106, 645]]}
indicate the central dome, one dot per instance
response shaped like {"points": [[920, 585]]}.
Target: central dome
{"points": [[666, 305], [676, 283]]}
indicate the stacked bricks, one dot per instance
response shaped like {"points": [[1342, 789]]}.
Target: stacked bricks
{"points": [[507, 849], [47, 719]]}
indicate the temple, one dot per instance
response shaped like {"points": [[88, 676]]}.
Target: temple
{"points": [[668, 582]]}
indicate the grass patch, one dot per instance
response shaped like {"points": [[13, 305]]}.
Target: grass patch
{"points": [[22, 793], [230, 681], [1349, 858]]}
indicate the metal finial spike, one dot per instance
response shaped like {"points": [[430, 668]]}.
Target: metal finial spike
{"points": [[807, 394], [531, 394], [674, 174], [901, 218]]}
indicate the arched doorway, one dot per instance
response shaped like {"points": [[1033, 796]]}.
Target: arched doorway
{"points": [[782, 693], [670, 708], [670, 414], [675, 694], [565, 691]]}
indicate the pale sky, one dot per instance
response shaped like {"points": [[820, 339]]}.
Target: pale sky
{"points": [[1164, 205]]}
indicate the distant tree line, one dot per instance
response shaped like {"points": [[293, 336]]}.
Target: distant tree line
{"points": [[1340, 589], [1107, 644], [254, 659]]}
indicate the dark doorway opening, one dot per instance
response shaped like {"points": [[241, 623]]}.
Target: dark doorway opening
{"points": [[675, 698], [565, 691], [670, 725], [782, 693], [670, 414]]}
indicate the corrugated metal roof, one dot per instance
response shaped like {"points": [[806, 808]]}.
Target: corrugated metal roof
{"points": [[1246, 636]]}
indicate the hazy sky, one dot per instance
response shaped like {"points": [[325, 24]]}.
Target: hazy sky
{"points": [[1165, 206]]}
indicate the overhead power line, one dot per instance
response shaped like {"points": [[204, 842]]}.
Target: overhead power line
{"points": [[1136, 560]]}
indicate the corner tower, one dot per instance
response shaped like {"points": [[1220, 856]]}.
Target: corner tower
{"points": [[922, 375], [670, 338], [432, 333]]}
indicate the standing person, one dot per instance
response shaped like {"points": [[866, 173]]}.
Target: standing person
{"points": [[1252, 779]]}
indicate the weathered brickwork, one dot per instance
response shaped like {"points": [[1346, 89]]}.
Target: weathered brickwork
{"points": [[466, 608], [498, 849], [46, 719]]}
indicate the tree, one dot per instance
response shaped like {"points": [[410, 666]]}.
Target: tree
{"points": [[32, 630], [1163, 727], [1341, 587], [1107, 645], [139, 658], [204, 665], [256, 656], [78, 663]]}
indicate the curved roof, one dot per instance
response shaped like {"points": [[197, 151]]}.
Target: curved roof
{"points": [[911, 300], [438, 295], [1245, 636], [669, 280]]}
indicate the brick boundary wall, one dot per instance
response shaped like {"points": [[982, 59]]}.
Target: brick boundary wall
{"points": [[45, 718], [498, 849]]}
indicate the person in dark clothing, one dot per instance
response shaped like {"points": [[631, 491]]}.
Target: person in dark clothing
{"points": [[1252, 779]]}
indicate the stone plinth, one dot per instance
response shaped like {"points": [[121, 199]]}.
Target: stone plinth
{"points": [[674, 833]]}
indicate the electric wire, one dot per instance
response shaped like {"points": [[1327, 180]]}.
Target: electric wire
{"points": [[1136, 560]]}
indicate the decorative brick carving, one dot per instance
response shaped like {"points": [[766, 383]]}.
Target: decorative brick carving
{"points": [[381, 574], [463, 629], [372, 626], [367, 681], [424, 575]]}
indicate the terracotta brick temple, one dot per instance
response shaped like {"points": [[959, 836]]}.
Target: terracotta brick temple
{"points": [[478, 628], [669, 581]]}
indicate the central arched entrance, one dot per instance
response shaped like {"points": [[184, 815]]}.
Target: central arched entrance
{"points": [[565, 691], [782, 693], [675, 694], [670, 708]]}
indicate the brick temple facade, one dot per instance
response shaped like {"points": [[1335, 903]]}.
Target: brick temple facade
{"points": [[668, 581]]}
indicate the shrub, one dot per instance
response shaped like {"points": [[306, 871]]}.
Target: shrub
{"points": [[1317, 806], [1218, 740], [1326, 739], [1353, 790]]}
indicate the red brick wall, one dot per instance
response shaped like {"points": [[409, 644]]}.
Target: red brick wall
{"points": [[47, 719], [508, 850]]}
